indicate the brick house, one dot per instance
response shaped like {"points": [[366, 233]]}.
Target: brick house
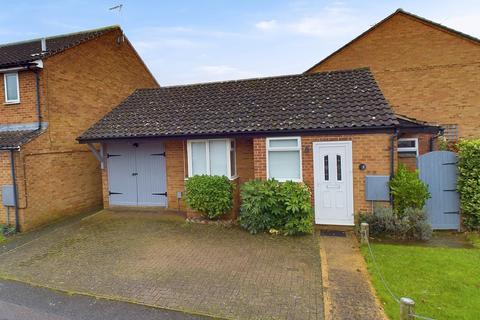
{"points": [[54, 89], [329, 130], [425, 70]]}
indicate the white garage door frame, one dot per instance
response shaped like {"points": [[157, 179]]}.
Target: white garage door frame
{"points": [[137, 174]]}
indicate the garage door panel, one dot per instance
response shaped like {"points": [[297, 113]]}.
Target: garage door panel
{"points": [[151, 177], [121, 179]]}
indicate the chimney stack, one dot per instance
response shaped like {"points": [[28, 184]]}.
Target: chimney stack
{"points": [[44, 45]]}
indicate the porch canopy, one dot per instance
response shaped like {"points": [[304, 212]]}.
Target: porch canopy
{"points": [[13, 139]]}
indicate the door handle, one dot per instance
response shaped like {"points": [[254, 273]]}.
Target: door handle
{"points": [[134, 174]]}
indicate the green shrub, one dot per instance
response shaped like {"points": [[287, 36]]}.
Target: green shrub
{"points": [[408, 190], [412, 225], [261, 208], [297, 209], [212, 196], [269, 204], [469, 182]]}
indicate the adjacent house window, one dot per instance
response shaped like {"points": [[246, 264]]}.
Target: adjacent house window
{"points": [[214, 157], [284, 159], [12, 92], [408, 147], [450, 132]]}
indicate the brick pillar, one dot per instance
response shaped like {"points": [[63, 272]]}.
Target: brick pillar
{"points": [[259, 158]]}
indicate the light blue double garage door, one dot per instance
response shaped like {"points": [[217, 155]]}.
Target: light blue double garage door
{"points": [[137, 174]]}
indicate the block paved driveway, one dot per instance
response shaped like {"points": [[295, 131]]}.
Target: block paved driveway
{"points": [[162, 261]]}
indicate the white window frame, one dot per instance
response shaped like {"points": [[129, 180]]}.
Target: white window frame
{"points": [[280, 149], [228, 143], [408, 149], [5, 88]]}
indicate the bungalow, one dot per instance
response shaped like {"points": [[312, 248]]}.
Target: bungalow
{"points": [[330, 130]]}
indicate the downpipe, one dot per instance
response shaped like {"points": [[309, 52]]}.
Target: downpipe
{"points": [[392, 158]]}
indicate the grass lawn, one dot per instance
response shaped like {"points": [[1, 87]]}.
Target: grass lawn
{"points": [[444, 282], [475, 239]]}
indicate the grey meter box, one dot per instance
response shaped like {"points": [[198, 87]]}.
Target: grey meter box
{"points": [[376, 188], [7, 195]]}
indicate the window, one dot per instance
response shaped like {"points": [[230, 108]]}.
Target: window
{"points": [[408, 147], [10, 81], [213, 157], [450, 132], [284, 159]]}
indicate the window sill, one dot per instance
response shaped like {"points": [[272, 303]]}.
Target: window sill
{"points": [[285, 180], [406, 155], [11, 103], [231, 179]]}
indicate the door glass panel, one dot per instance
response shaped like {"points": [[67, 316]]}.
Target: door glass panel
{"points": [[199, 158], [325, 167], [339, 167]]}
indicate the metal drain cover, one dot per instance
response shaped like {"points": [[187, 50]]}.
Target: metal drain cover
{"points": [[332, 233]]}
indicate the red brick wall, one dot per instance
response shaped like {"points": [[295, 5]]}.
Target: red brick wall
{"points": [[423, 71], [370, 149], [26, 110], [5, 178], [176, 151]]}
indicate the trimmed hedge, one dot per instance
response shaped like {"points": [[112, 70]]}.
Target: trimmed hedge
{"points": [[469, 182], [212, 196], [269, 205]]}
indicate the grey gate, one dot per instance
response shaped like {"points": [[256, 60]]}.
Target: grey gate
{"points": [[438, 169]]}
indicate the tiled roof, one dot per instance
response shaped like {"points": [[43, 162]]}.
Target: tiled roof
{"points": [[20, 53], [14, 139], [323, 101]]}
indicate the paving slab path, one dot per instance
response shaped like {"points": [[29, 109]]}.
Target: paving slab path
{"points": [[348, 293], [164, 262]]}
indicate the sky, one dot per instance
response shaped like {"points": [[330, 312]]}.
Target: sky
{"points": [[210, 40]]}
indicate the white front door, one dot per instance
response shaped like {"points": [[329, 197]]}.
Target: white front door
{"points": [[333, 182]]}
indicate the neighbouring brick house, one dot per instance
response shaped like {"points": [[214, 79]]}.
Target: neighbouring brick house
{"points": [[329, 130], [425, 70], [53, 89]]}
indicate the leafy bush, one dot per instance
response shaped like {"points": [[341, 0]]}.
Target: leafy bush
{"points": [[408, 190], [212, 196], [297, 209], [272, 205], [260, 209], [412, 225], [469, 182]]}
